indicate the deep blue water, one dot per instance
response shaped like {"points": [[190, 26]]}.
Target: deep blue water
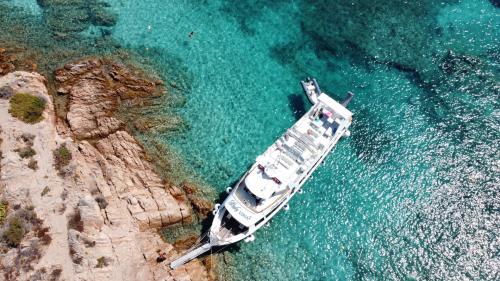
{"points": [[413, 194]]}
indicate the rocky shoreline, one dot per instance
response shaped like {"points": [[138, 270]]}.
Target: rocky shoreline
{"points": [[103, 209]]}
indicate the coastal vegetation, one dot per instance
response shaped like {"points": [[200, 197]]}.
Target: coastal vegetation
{"points": [[14, 232], [27, 108], [3, 211], [62, 157], [33, 164], [22, 230], [101, 262], [19, 223], [25, 152]]}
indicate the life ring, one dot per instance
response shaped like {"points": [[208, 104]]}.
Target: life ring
{"points": [[228, 190]]}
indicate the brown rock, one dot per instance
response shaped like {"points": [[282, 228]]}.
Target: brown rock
{"points": [[6, 62], [200, 205], [177, 193], [189, 187], [91, 242], [185, 243], [96, 88], [128, 174], [203, 207]]}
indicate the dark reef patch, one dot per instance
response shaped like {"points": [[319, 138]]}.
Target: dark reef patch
{"points": [[495, 3], [246, 12], [375, 28], [66, 17], [285, 53], [370, 138]]}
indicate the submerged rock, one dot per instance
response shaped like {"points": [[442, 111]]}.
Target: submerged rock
{"points": [[202, 206], [185, 243], [67, 17], [96, 88], [459, 65]]}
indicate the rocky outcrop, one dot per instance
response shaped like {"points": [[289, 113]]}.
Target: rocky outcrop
{"points": [[25, 82], [124, 173], [103, 215], [200, 204], [114, 165], [96, 88], [6, 62]]}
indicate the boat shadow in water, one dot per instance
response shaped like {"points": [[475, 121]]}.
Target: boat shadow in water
{"points": [[297, 104]]}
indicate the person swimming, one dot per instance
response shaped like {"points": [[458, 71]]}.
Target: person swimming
{"points": [[191, 34]]}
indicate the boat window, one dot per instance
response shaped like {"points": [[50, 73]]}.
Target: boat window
{"points": [[253, 195]]}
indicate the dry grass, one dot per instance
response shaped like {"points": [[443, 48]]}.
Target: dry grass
{"points": [[101, 262], [75, 221], [45, 191], [33, 164], [44, 236], [55, 274], [25, 152]]}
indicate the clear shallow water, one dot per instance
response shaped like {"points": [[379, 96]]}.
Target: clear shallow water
{"points": [[412, 195]]}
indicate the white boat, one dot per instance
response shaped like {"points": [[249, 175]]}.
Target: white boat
{"points": [[311, 89], [276, 176]]}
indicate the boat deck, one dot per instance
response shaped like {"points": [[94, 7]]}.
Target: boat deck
{"points": [[285, 164]]}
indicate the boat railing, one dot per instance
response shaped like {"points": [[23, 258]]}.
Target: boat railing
{"points": [[305, 139]]}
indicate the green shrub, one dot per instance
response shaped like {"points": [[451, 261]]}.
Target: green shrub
{"points": [[3, 211], [25, 152], [27, 108], [62, 157], [14, 233]]}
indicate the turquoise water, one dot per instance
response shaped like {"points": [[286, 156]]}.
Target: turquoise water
{"points": [[413, 194]]}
